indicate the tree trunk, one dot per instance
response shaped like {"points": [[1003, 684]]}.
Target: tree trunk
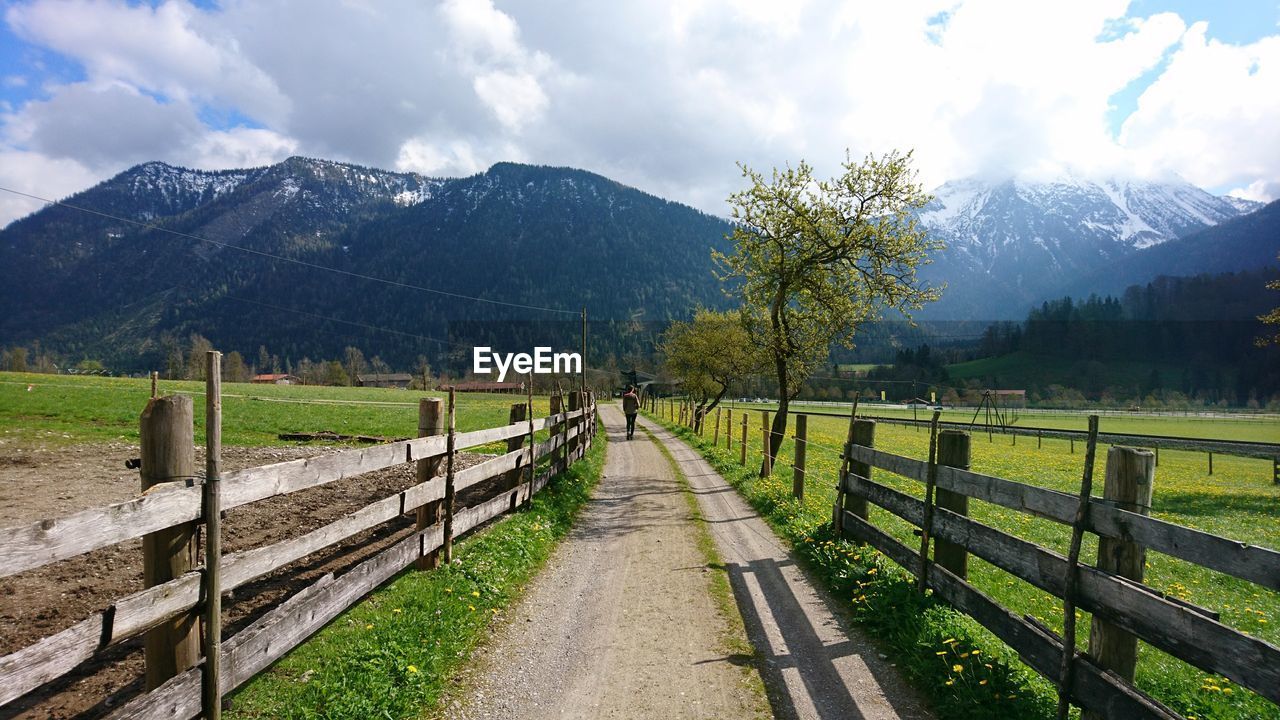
{"points": [[777, 430], [714, 403]]}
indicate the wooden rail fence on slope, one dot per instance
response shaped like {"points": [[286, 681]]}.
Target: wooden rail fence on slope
{"points": [[283, 628], [1121, 606]]}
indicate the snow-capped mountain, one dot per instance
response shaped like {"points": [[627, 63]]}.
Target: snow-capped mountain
{"points": [[516, 235], [1015, 242]]}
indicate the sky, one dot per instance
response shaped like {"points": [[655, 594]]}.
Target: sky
{"points": [[669, 96]]}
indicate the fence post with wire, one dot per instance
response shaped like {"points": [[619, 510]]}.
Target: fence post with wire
{"points": [[797, 465]]}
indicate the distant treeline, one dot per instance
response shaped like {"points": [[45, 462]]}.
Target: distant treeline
{"points": [[1206, 327]]}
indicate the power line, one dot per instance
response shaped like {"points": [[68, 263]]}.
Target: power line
{"points": [[281, 258], [346, 322]]}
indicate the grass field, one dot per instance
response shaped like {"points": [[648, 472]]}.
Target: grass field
{"points": [[1239, 501], [63, 409], [1022, 369], [1243, 427]]}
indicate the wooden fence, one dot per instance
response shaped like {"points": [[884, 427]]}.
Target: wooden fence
{"points": [[1124, 610], [182, 680]]}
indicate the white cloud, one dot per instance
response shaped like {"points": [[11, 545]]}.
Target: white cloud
{"points": [[1212, 115], [665, 95], [167, 49], [240, 147], [515, 98], [38, 175]]}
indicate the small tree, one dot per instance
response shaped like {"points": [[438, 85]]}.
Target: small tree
{"points": [[708, 355], [234, 369], [1271, 318], [17, 361], [200, 346], [815, 259], [353, 359]]}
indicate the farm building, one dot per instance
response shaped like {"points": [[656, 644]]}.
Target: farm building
{"points": [[277, 379], [487, 386], [1011, 398], [385, 380]]}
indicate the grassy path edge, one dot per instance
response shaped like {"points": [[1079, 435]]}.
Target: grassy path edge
{"points": [[397, 653], [963, 671]]}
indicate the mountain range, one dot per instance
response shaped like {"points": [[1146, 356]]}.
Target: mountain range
{"points": [[1012, 244], [240, 256]]}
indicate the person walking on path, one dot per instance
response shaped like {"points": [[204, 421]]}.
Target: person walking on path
{"points": [[630, 407]]}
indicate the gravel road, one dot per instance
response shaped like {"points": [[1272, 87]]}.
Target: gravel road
{"points": [[621, 623], [816, 665]]}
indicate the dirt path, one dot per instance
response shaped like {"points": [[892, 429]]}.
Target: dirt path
{"points": [[621, 624], [815, 665]]}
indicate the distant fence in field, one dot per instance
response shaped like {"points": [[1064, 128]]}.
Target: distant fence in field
{"points": [[182, 681], [1124, 610]]}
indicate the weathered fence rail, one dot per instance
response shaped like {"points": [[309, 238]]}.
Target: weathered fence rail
{"points": [[1239, 448], [174, 504], [1124, 609]]}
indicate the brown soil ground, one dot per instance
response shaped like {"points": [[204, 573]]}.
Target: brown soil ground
{"points": [[38, 483]]}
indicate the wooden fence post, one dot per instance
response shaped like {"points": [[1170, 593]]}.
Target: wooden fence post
{"points": [[167, 437], [715, 439], [533, 446], [742, 446], [210, 677], [1129, 482], [1275, 470], [728, 430], [864, 434], [767, 466], [953, 451], [797, 465], [430, 423], [1210, 462], [446, 547], [514, 415], [571, 451], [556, 429]]}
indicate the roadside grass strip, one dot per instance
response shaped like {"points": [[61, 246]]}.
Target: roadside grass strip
{"points": [[964, 670], [395, 654]]}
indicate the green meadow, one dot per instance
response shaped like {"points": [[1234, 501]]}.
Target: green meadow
{"points": [[64, 409], [1238, 501], [1247, 427]]}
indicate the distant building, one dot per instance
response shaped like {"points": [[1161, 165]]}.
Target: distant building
{"points": [[487, 386], [1011, 398], [277, 379], [385, 380]]}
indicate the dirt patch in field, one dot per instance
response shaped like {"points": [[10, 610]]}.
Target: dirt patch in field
{"points": [[38, 483]]}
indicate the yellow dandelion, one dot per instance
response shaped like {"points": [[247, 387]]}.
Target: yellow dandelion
{"points": [[982, 682], [941, 652], [472, 607], [369, 626], [957, 668], [396, 610], [475, 593], [413, 669], [951, 682]]}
